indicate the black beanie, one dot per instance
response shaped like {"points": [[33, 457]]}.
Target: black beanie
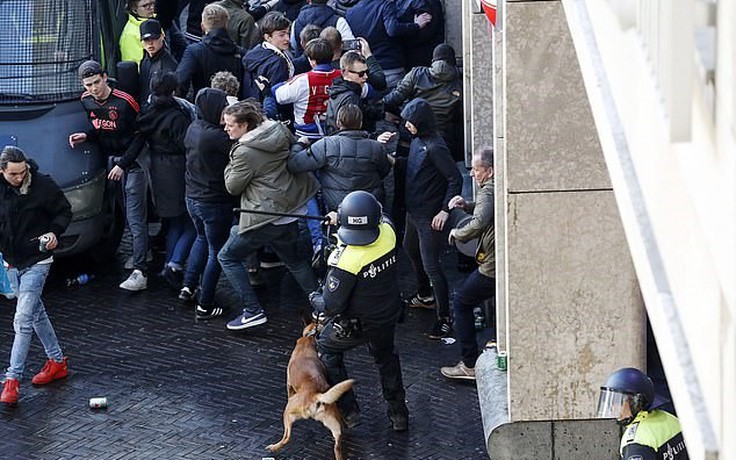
{"points": [[444, 52]]}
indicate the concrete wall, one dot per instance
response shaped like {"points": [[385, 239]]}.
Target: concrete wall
{"points": [[556, 440], [676, 194], [568, 289]]}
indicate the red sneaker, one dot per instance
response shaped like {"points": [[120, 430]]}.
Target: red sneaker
{"points": [[51, 371], [10, 392]]}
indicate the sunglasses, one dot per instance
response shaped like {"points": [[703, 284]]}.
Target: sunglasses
{"points": [[360, 73]]}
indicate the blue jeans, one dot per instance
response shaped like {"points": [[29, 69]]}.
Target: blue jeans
{"points": [[179, 239], [212, 222], [283, 240], [136, 212], [475, 289], [30, 316], [423, 246], [315, 226]]}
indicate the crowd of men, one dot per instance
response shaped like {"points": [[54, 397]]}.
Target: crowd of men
{"points": [[283, 109]]}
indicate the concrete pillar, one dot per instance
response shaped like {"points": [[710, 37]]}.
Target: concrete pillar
{"points": [[569, 300]]}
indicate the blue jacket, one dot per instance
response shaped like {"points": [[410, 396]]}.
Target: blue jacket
{"points": [[376, 21], [320, 15], [262, 61], [418, 50], [431, 175]]}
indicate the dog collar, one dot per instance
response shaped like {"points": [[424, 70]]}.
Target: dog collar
{"points": [[311, 333]]}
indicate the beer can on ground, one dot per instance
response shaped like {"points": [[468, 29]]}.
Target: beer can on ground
{"points": [[502, 361], [98, 403]]}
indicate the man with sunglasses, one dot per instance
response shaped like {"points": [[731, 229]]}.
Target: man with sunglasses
{"points": [[353, 88]]}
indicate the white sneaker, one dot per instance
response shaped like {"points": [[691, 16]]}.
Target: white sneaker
{"points": [[129, 261], [459, 372], [137, 281]]}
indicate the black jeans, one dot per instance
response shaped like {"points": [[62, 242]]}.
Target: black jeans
{"points": [[380, 343], [475, 289], [423, 245]]}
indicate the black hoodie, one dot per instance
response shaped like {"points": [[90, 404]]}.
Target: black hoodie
{"points": [[208, 149], [431, 175], [36, 207], [216, 52]]}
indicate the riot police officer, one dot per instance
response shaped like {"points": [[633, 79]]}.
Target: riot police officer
{"points": [[651, 434], [360, 298]]}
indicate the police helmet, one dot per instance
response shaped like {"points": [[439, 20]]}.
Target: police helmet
{"points": [[626, 392], [359, 215]]}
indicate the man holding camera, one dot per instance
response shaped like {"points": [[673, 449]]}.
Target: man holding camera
{"points": [[353, 88], [33, 214]]}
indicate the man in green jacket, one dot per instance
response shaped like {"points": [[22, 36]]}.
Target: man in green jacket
{"points": [[257, 173], [241, 27], [481, 283]]}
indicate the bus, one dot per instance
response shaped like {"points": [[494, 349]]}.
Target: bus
{"points": [[42, 43]]}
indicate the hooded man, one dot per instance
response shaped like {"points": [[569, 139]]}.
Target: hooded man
{"points": [[208, 201], [441, 86], [431, 180]]}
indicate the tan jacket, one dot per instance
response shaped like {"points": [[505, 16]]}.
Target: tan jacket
{"points": [[481, 227]]}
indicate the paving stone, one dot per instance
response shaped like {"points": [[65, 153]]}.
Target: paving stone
{"points": [[178, 388]]}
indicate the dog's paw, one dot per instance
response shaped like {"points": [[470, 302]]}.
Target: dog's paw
{"points": [[273, 447]]}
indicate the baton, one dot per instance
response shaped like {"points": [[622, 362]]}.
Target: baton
{"points": [[282, 214]]}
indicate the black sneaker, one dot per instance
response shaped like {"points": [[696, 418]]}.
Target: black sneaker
{"points": [[187, 294], [174, 278], [201, 312], [399, 416], [442, 329], [352, 417], [417, 301]]}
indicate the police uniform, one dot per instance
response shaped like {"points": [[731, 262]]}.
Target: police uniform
{"points": [[653, 435], [361, 298]]}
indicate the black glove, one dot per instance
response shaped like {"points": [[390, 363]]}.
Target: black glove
{"points": [[317, 301], [264, 86]]}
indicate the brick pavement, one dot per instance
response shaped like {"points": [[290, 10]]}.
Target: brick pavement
{"points": [[182, 389]]}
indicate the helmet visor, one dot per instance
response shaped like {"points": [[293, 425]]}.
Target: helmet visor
{"points": [[613, 404]]}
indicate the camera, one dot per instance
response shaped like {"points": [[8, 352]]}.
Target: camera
{"points": [[351, 45]]}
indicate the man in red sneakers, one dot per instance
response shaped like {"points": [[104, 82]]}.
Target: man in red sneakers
{"points": [[34, 213]]}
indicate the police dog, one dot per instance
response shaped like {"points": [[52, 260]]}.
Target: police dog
{"points": [[310, 396]]}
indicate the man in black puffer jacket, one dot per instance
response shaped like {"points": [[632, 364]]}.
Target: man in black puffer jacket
{"points": [[216, 52], [33, 214], [347, 161]]}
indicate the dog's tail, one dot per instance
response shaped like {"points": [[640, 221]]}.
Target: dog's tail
{"points": [[334, 393]]}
